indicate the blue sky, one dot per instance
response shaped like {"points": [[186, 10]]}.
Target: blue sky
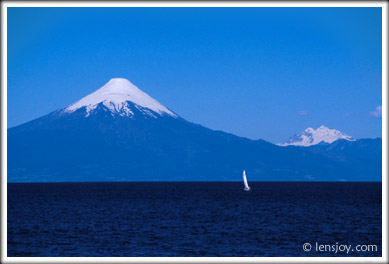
{"points": [[263, 73]]}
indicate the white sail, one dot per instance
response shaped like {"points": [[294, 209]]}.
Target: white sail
{"points": [[246, 185]]}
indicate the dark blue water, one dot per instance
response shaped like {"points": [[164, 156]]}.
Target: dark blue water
{"points": [[191, 219]]}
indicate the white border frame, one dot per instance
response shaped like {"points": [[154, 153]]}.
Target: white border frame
{"points": [[383, 259]]}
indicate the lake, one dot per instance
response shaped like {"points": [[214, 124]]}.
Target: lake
{"points": [[194, 219]]}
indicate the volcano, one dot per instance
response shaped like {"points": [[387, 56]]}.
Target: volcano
{"points": [[119, 133]]}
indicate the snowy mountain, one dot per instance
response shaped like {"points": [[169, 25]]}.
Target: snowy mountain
{"points": [[119, 133], [311, 137], [117, 96]]}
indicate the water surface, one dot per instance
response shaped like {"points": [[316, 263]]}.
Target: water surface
{"points": [[189, 219]]}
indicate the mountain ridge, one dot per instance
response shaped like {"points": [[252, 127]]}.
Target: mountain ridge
{"points": [[310, 137], [101, 144]]}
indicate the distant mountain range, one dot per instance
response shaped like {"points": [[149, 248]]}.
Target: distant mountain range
{"points": [[119, 133], [311, 137]]}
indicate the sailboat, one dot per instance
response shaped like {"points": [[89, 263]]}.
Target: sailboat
{"points": [[246, 185]]}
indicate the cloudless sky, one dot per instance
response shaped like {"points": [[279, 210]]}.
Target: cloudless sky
{"points": [[264, 73]]}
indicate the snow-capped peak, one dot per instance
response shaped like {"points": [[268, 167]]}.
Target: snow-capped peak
{"points": [[115, 95], [311, 137]]}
